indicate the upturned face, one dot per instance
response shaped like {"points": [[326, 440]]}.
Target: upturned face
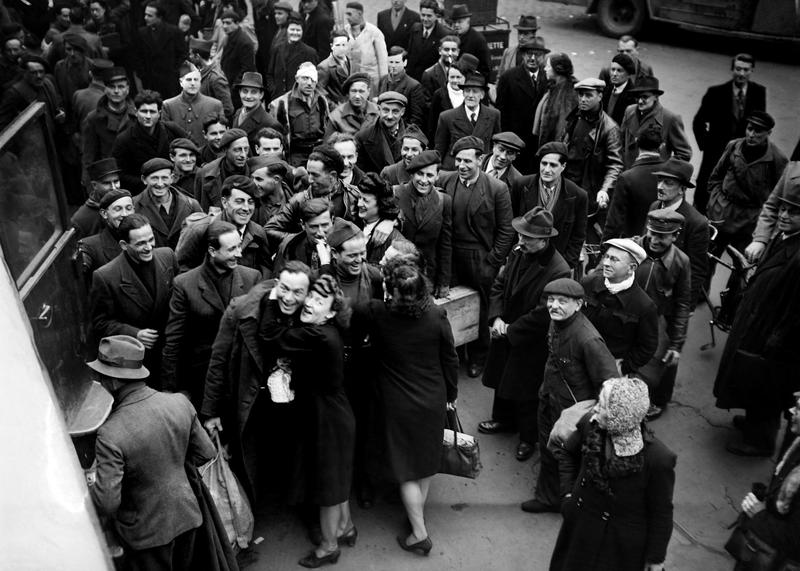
{"points": [[190, 83], [347, 150], [317, 309], [617, 265]]}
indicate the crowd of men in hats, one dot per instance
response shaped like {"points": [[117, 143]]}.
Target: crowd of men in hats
{"points": [[202, 164]]}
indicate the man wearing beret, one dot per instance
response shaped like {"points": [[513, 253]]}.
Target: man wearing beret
{"points": [[414, 142], [236, 147], [619, 308], [164, 205], [398, 80], [103, 178], [367, 45], [482, 233], [334, 70], [213, 82], [423, 39], [100, 248], [183, 154], [506, 147], [190, 108], [239, 55], [519, 323], [159, 52], [379, 141], [285, 59], [562, 197], [350, 116], [665, 275], [112, 115]]}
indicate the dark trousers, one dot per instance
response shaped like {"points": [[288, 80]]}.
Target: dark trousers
{"points": [[522, 414], [360, 390], [470, 269], [174, 556], [548, 483], [761, 427], [661, 393]]}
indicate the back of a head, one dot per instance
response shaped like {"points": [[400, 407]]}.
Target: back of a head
{"points": [[650, 139]]}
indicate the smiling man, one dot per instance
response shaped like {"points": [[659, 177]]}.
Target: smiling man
{"points": [[414, 142], [379, 141], [357, 110], [506, 147], [183, 154], [99, 249], [236, 147]]}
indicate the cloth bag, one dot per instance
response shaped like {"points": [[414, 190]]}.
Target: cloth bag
{"points": [[461, 455], [229, 497]]}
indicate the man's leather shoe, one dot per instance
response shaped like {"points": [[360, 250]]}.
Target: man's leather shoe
{"points": [[654, 412], [739, 421], [525, 451], [474, 370], [536, 507], [744, 449], [493, 427]]}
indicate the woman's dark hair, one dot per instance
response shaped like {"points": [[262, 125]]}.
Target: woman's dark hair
{"points": [[408, 287], [373, 184], [561, 64], [327, 286]]}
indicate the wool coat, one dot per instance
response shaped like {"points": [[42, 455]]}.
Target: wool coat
{"points": [[397, 36], [414, 93], [97, 250], [343, 119], [183, 206], [135, 146], [517, 99], [317, 30], [101, 128], [455, 124], [160, 51], [634, 193], [283, 64], [376, 148], [189, 114], [238, 56], [673, 136]]}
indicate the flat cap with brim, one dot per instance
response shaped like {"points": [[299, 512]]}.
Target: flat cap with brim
{"points": [[414, 132], [474, 80], [100, 66], [156, 164], [393, 97], [230, 136], [184, 143], [646, 84], [761, 120], [102, 168], [116, 73], [527, 23], [273, 162], [664, 221], [509, 139], [536, 223], [354, 78], [566, 287], [628, 245], [553, 147], [534, 44], [355, 6], [251, 79], [120, 357], [460, 11], [590, 83], [677, 169], [283, 5], [112, 196], [200, 45], [468, 142], [424, 159], [342, 231]]}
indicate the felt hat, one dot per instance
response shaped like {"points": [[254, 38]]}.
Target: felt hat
{"points": [[460, 11], [424, 159], [561, 64], [761, 120], [509, 139], [556, 147], [393, 97], [664, 221], [251, 79], [230, 136], [104, 167], [183, 143], [536, 223], [120, 357], [154, 165], [466, 64], [677, 169], [591, 83], [564, 286], [627, 402], [628, 245], [353, 78], [646, 84], [414, 132], [468, 142], [527, 23], [474, 80], [342, 231], [534, 44], [112, 196]]}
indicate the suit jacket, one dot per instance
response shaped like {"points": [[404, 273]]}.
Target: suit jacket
{"points": [[569, 213], [630, 202], [183, 206], [238, 56], [431, 230], [331, 80], [433, 78], [424, 52], [489, 214], [673, 136], [715, 123], [399, 36], [375, 149], [98, 250], [624, 99], [317, 31], [517, 99], [141, 451], [454, 124], [255, 121], [160, 50], [189, 115], [195, 311], [509, 177]]}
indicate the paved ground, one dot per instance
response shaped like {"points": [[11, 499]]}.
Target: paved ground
{"points": [[477, 525]]}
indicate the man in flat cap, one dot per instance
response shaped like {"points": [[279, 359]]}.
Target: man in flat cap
{"points": [[356, 111], [190, 108], [526, 28], [519, 323], [367, 45], [112, 115], [423, 39], [159, 52], [562, 197], [236, 147], [286, 58], [130, 294], [102, 247], [141, 481], [665, 275], [239, 55], [571, 339], [164, 205], [334, 70], [471, 118], [398, 80], [673, 178], [482, 233], [183, 153], [506, 147], [519, 91], [103, 178], [646, 112], [213, 82], [472, 41], [414, 142], [379, 141]]}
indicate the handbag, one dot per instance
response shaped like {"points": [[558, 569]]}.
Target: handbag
{"points": [[748, 549], [461, 455]]}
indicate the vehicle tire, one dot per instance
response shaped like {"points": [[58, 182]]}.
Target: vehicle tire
{"points": [[620, 17]]}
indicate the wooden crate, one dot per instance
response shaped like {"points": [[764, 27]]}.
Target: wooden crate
{"points": [[463, 308]]}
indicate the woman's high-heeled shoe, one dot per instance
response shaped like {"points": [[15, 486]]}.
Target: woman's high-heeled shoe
{"points": [[420, 548], [311, 561], [348, 538]]}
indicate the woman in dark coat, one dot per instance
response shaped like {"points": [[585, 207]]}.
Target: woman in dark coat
{"points": [[618, 510], [415, 392], [316, 355]]}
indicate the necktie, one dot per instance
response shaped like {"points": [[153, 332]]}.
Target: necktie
{"points": [[473, 118], [740, 102], [425, 34]]}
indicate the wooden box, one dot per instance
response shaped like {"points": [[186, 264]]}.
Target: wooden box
{"points": [[463, 308]]}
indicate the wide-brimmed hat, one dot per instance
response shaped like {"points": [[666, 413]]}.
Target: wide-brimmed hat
{"points": [[536, 223], [251, 79], [102, 168], [460, 11], [466, 64], [791, 195], [120, 357], [527, 23], [646, 84], [474, 80], [534, 44], [677, 169]]}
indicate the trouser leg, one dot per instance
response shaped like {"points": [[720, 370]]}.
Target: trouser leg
{"points": [[470, 271], [661, 394], [503, 410], [528, 420], [547, 483], [761, 427]]}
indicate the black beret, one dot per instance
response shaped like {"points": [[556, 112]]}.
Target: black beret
{"points": [[424, 159], [355, 6], [154, 165], [238, 182], [625, 62], [468, 142], [112, 196], [353, 78], [183, 143], [230, 136], [553, 147]]}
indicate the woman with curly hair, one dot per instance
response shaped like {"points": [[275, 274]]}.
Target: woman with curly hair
{"points": [[376, 203], [415, 392]]}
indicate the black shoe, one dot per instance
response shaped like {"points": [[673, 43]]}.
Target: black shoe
{"points": [[534, 506], [420, 548], [312, 561], [494, 427], [655, 411], [739, 421], [525, 451], [348, 538], [744, 449], [474, 370]]}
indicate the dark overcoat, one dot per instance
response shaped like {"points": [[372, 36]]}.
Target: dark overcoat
{"points": [[454, 124], [375, 148], [183, 206], [331, 80], [423, 52], [397, 36], [283, 63], [630, 202], [160, 50], [517, 99], [255, 121], [135, 146], [97, 250], [238, 56]]}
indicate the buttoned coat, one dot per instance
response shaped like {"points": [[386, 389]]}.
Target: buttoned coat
{"points": [[569, 213], [515, 364], [189, 114], [331, 79], [255, 121], [160, 50], [343, 119], [97, 250], [86, 220], [517, 99], [238, 56], [624, 99], [431, 233], [488, 214], [142, 450], [673, 137], [454, 124], [424, 52], [375, 149], [397, 36], [101, 129], [195, 310], [633, 194], [183, 206], [415, 94]]}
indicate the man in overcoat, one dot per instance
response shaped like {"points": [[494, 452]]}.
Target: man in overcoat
{"points": [[160, 49], [113, 114], [379, 141], [239, 54], [398, 80], [317, 26], [190, 108], [435, 75], [286, 58], [519, 322], [356, 111], [103, 177], [334, 70], [472, 41], [396, 23]]}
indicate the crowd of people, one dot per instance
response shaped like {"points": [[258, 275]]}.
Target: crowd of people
{"points": [[273, 208]]}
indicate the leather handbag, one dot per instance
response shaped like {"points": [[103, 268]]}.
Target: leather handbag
{"points": [[461, 455], [752, 552]]}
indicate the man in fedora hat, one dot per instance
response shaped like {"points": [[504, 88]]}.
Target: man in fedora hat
{"points": [[519, 322], [519, 91], [141, 483], [472, 41], [252, 116], [239, 55], [103, 178], [471, 118], [286, 58], [189, 108], [673, 178], [646, 112], [758, 368], [213, 82], [526, 30], [423, 39], [357, 109]]}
